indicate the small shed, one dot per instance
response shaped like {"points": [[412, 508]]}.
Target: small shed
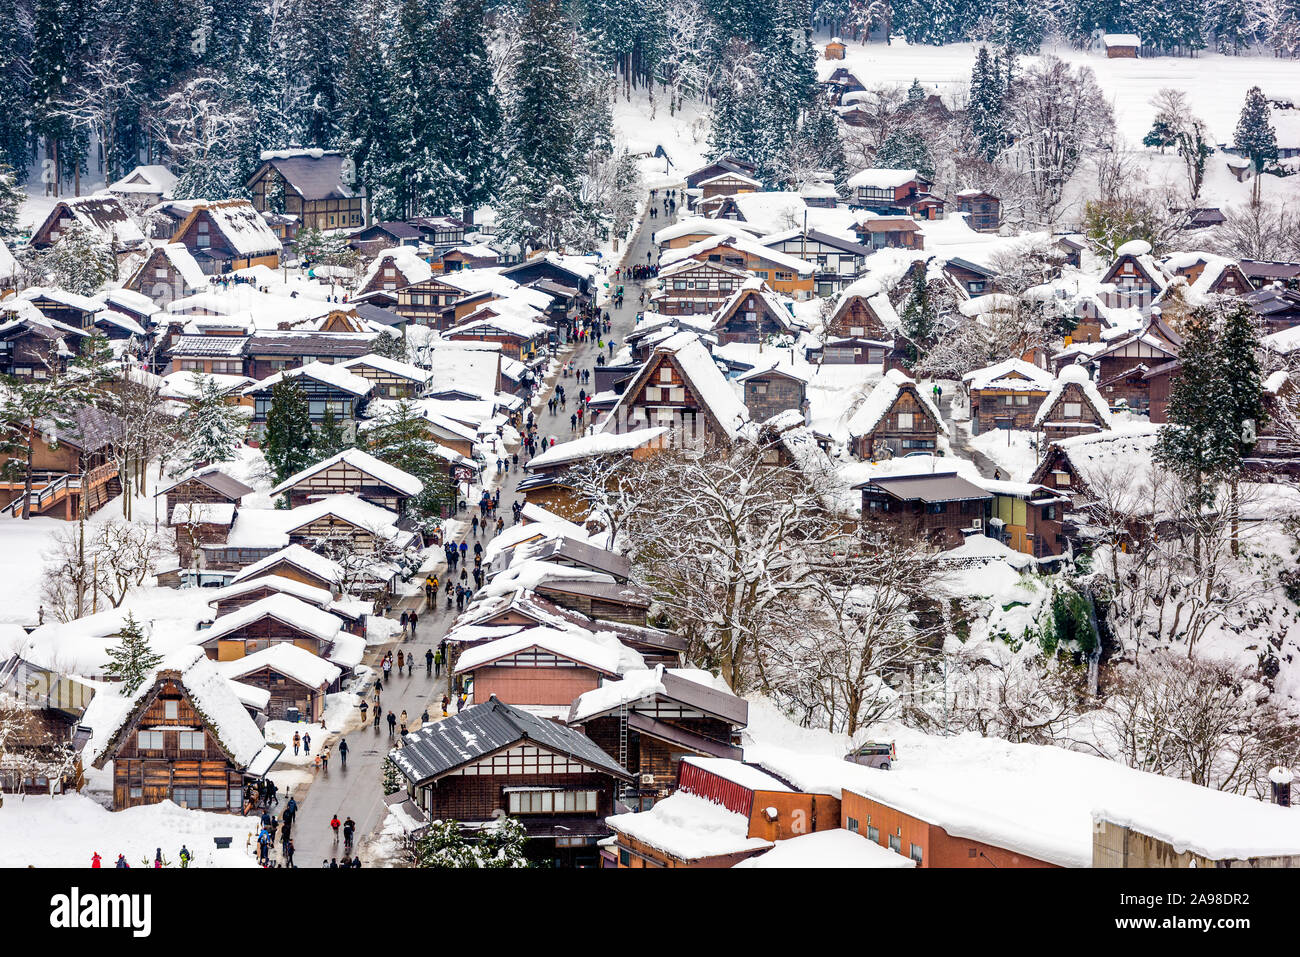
{"points": [[1120, 46], [834, 50]]}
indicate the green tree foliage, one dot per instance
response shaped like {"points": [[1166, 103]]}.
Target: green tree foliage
{"points": [[133, 658], [287, 439], [444, 846], [214, 429], [400, 437], [1255, 135]]}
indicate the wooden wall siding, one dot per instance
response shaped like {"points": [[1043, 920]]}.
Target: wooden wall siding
{"points": [[524, 760], [890, 435], [287, 692], [989, 407], [797, 814], [318, 213], [858, 319], [698, 289], [287, 570], [189, 538], [160, 280], [387, 385], [749, 321], [262, 634], [912, 520], [523, 685], [332, 527], [1059, 424], [476, 797], [649, 755], [597, 608], [1132, 386], [156, 771], [344, 478], [766, 396]]}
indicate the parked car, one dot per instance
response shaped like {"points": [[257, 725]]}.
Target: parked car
{"points": [[874, 754]]}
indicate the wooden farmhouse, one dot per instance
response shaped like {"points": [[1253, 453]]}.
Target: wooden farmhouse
{"points": [[72, 468], [724, 184], [315, 187], [1134, 280], [694, 229], [329, 388], [59, 305], [351, 472], [680, 388], [568, 552], [228, 235], [282, 619], [1006, 395], [196, 524], [428, 302], [863, 311], [33, 346], [1119, 46], [889, 232], [1278, 309], [788, 275], [495, 757], [690, 287], [207, 485], [103, 218], [168, 273], [184, 737], [476, 256], [602, 600], [1073, 407], [723, 814], [725, 164], [296, 679], [393, 378], [297, 564], [983, 210], [888, 192], [362, 528], [1122, 365], [753, 314], [838, 83], [772, 390], [521, 338], [394, 269], [209, 354], [540, 666], [272, 351], [531, 610], [972, 278], [1207, 274], [650, 718], [896, 418], [941, 508], [1084, 465]]}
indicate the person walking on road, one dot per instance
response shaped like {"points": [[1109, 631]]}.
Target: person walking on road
{"points": [[349, 828], [306, 742], [428, 663], [446, 703], [335, 823], [297, 742], [437, 664], [402, 721], [343, 752], [392, 724]]}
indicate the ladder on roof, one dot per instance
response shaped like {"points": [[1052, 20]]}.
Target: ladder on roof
{"points": [[622, 745]]}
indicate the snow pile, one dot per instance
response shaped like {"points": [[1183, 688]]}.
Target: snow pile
{"points": [[689, 828], [837, 848]]}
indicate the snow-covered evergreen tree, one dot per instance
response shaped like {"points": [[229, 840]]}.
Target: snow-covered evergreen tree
{"points": [[985, 112], [287, 439], [1255, 136], [213, 428], [132, 659]]}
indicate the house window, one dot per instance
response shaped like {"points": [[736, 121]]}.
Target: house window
{"points": [[1062, 478], [873, 834], [760, 388], [171, 709], [151, 741], [1073, 410], [853, 824], [552, 802], [214, 797], [191, 741], [1049, 513], [905, 420], [1022, 400], [624, 857], [896, 844], [665, 375], [784, 276], [937, 508], [915, 853], [186, 797]]}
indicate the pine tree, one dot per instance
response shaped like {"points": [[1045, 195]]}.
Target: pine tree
{"points": [[392, 777], [213, 428], [987, 92], [920, 322], [15, 90], [287, 439], [401, 438], [915, 92], [330, 438], [905, 148], [1255, 136], [11, 200], [443, 845], [133, 659]]}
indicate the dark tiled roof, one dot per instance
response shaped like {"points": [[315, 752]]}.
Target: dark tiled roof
{"points": [[208, 346], [310, 344], [315, 177], [436, 749], [927, 488]]}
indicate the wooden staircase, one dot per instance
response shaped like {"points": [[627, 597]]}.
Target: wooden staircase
{"points": [[101, 484]]}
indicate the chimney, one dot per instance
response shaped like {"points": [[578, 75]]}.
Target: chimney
{"points": [[1281, 779]]}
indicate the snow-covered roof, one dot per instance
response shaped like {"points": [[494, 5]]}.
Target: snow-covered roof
{"points": [[1121, 40], [278, 583], [364, 462], [283, 608], [747, 776], [599, 443], [689, 828], [333, 375], [1079, 376], [607, 657], [185, 264], [207, 687], [879, 178], [288, 659], [242, 226], [395, 367], [350, 508], [318, 565], [104, 216], [405, 260], [741, 242], [836, 848], [1010, 374], [697, 225], [636, 686], [203, 513], [150, 179], [882, 399]]}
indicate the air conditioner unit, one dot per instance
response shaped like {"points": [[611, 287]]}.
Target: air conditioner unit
{"points": [[647, 780], [978, 523]]}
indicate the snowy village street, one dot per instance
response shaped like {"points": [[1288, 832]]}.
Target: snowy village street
{"points": [[357, 790]]}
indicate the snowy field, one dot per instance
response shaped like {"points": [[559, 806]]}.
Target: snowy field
{"points": [[66, 830]]}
